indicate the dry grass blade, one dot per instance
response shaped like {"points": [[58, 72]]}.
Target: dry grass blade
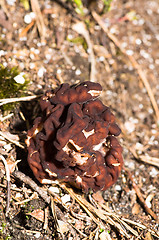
{"points": [[22, 99], [98, 215], [2, 119], [33, 196], [55, 217], [140, 196], [39, 18], [27, 180], [141, 226], [80, 28], [46, 218], [146, 159], [150, 160], [8, 183], [103, 213], [118, 218], [76, 197], [11, 140], [133, 62], [3, 6]]}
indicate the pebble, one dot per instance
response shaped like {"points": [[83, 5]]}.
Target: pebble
{"points": [[117, 187], [138, 41], [59, 71], [2, 53], [130, 52], [154, 172], [78, 72], [130, 126], [19, 78], [41, 72], [32, 65], [66, 198], [27, 18], [37, 235]]}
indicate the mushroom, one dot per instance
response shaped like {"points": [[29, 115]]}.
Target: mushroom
{"points": [[75, 139]]}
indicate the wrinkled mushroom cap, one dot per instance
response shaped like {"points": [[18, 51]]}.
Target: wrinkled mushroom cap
{"points": [[75, 139]]}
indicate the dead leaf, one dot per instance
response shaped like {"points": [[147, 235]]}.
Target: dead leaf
{"points": [[38, 214], [63, 226], [12, 165], [148, 236], [98, 197], [136, 208]]}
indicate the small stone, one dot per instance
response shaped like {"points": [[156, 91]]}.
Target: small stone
{"points": [[27, 18], [41, 72], [130, 127], [130, 52], [37, 235], [66, 198], [117, 187], [78, 72], [19, 78], [154, 172]]}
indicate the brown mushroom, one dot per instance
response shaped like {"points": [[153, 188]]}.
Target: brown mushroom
{"points": [[75, 139]]}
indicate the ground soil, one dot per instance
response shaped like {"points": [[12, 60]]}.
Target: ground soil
{"points": [[54, 53]]}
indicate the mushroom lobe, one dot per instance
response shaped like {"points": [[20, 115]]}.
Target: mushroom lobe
{"points": [[75, 139]]}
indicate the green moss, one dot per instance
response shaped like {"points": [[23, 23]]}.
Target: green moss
{"points": [[10, 86], [79, 41]]}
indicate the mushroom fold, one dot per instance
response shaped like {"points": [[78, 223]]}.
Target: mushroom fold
{"points": [[75, 139]]}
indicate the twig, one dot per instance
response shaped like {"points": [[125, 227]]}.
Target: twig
{"points": [[3, 5], [11, 140], [96, 214], [39, 18], [2, 119], [55, 218], [25, 30], [80, 28], [150, 160], [144, 158], [33, 196], [8, 183], [27, 180], [133, 62], [46, 217], [138, 192], [22, 99], [141, 226]]}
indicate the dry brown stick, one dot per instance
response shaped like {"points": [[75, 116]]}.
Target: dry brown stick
{"points": [[144, 158], [11, 140], [21, 99], [96, 214], [138, 192], [39, 18], [43, 194], [133, 62], [23, 33], [27, 180]]}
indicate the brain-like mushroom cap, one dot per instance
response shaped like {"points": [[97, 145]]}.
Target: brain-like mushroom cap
{"points": [[75, 139]]}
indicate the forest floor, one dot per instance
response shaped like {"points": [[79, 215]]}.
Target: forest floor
{"points": [[118, 49]]}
